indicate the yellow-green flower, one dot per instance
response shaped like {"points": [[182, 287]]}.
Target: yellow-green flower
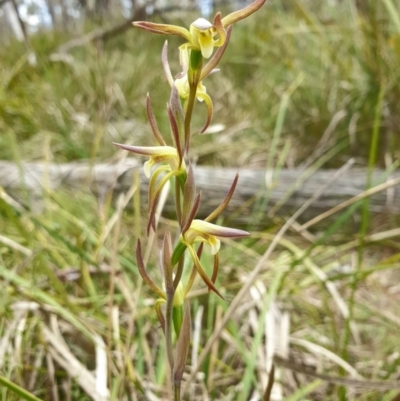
{"points": [[179, 296], [202, 34], [202, 232], [172, 166], [158, 154], [181, 83]]}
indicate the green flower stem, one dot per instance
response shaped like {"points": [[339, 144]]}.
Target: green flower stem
{"points": [[195, 63], [177, 392], [177, 312], [194, 74], [188, 116], [178, 252], [178, 206], [181, 178], [177, 317]]}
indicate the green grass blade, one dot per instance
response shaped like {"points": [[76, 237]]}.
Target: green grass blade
{"points": [[301, 392], [21, 392], [393, 13], [41, 297]]}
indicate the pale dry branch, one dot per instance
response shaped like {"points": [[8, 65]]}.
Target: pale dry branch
{"points": [[214, 184]]}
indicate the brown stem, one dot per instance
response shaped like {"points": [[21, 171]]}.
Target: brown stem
{"points": [[168, 330]]}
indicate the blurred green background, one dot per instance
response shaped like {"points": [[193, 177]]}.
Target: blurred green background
{"points": [[333, 58]]}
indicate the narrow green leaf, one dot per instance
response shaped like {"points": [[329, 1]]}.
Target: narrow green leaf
{"points": [[40, 296], [26, 395], [393, 13], [303, 391]]}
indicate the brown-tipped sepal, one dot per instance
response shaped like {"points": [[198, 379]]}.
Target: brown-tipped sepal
{"points": [[153, 122], [225, 202], [145, 276], [203, 231], [243, 13], [164, 29]]}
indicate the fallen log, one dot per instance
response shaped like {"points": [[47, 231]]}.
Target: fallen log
{"points": [[257, 193]]}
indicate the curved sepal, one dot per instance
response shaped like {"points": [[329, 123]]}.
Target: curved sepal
{"points": [[165, 64], [202, 273], [145, 276], [182, 346], [164, 29], [216, 58], [225, 202], [153, 122], [208, 102], [160, 315], [243, 13]]}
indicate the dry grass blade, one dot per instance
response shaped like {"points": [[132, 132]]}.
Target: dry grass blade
{"points": [[14, 245], [196, 342], [349, 202], [123, 201], [8, 334], [64, 357], [319, 351], [101, 367], [52, 377], [360, 384], [277, 329]]}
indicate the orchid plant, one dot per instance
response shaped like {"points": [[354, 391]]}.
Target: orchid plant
{"points": [[198, 59]]}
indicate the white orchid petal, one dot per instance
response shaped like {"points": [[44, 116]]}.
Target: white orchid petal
{"points": [[202, 24], [215, 244], [184, 57], [182, 85], [206, 42]]}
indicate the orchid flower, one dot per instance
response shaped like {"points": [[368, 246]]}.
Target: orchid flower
{"points": [[157, 154], [202, 34], [173, 166], [204, 232], [170, 158], [198, 231], [182, 85], [181, 82], [165, 161]]}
